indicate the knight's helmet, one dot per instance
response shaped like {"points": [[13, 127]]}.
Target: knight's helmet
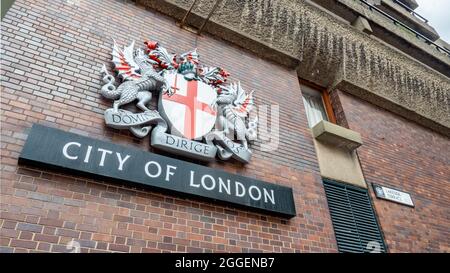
{"points": [[188, 65]]}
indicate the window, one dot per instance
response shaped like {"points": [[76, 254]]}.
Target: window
{"points": [[354, 222], [317, 104]]}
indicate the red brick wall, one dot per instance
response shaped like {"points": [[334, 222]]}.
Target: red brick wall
{"points": [[403, 155], [51, 59]]}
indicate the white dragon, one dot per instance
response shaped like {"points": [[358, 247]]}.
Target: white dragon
{"points": [[138, 74], [233, 108]]}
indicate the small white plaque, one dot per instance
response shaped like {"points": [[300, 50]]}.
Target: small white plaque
{"points": [[393, 195]]}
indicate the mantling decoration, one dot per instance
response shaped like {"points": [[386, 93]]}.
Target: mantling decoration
{"points": [[198, 116]]}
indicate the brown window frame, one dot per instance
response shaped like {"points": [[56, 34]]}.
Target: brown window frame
{"points": [[325, 98]]}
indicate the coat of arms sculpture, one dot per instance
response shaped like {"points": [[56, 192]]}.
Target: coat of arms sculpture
{"points": [[199, 115]]}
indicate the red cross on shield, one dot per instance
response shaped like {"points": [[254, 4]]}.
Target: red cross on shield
{"points": [[189, 110]]}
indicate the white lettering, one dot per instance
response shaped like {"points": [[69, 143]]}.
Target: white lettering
{"points": [[88, 154], [267, 196], [169, 173], [192, 181], [241, 186], [104, 152], [121, 160], [213, 182], [251, 190], [225, 187], [67, 147], [158, 173]]}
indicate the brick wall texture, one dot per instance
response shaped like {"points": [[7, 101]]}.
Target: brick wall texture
{"points": [[51, 56], [52, 53], [403, 155]]}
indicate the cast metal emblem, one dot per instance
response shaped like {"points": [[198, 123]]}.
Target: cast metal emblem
{"points": [[198, 115]]}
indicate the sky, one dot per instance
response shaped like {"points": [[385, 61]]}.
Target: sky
{"points": [[438, 14]]}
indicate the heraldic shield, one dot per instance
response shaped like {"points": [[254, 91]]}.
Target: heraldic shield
{"points": [[198, 115], [189, 109]]}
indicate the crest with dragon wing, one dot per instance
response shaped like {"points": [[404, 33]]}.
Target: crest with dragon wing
{"points": [[191, 98], [235, 104], [243, 102], [124, 63]]}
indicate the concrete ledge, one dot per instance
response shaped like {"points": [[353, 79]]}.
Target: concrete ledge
{"points": [[362, 24], [336, 135], [386, 30], [177, 9], [410, 3], [410, 20]]}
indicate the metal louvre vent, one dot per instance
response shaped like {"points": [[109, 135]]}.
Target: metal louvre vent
{"points": [[353, 218]]}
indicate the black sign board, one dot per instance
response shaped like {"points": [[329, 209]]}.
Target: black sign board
{"points": [[54, 148]]}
